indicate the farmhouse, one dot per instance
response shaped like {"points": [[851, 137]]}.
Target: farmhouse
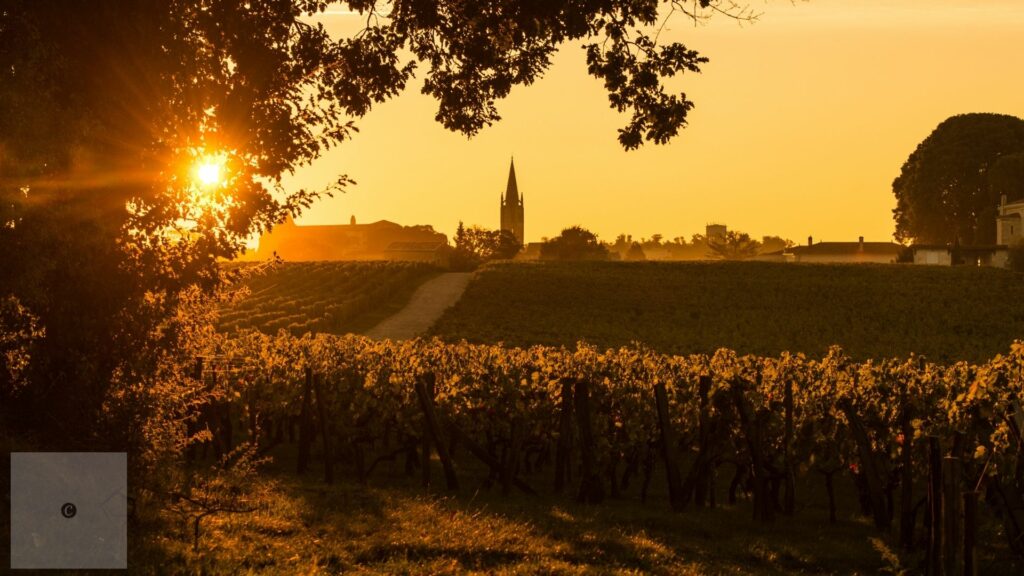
{"points": [[1008, 223], [438, 253], [349, 242], [945, 255], [839, 252], [1008, 232]]}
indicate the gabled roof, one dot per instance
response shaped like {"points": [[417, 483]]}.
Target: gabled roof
{"points": [[842, 248]]}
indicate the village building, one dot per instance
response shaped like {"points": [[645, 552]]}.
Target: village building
{"points": [[946, 255], [1008, 223], [512, 210], [859, 252], [715, 234], [1008, 233], [381, 240], [438, 253]]}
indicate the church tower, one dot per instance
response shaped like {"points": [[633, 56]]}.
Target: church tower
{"points": [[512, 206]]}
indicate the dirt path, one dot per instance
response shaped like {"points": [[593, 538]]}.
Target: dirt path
{"points": [[424, 308]]}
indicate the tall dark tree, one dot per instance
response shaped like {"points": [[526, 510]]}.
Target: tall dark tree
{"points": [[943, 193], [635, 253], [106, 110], [1006, 177], [481, 244], [574, 243], [735, 246]]}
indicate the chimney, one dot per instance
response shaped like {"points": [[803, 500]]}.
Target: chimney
{"points": [[810, 240], [861, 241], [1002, 200]]}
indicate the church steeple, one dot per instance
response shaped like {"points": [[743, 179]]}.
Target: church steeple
{"points": [[512, 189], [512, 206]]}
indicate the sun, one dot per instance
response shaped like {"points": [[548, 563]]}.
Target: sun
{"points": [[209, 172]]}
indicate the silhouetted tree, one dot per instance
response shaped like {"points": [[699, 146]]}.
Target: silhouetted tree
{"points": [[635, 253], [574, 243], [736, 246], [1006, 176], [774, 244], [474, 245], [943, 193]]}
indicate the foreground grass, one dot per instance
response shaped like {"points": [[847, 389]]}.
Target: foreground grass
{"points": [[395, 526], [872, 311], [315, 529]]}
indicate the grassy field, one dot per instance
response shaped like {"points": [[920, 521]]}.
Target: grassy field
{"points": [[690, 307], [397, 527], [330, 297]]}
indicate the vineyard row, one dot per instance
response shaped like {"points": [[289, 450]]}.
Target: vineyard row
{"points": [[915, 435]]}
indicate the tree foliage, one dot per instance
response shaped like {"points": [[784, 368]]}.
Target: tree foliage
{"points": [[1006, 177], [475, 245], [735, 246], [105, 111], [774, 244], [574, 243], [635, 253], [944, 193]]}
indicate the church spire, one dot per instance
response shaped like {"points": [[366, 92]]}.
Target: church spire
{"points": [[512, 206], [512, 190]]}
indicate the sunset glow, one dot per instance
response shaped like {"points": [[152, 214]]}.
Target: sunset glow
{"points": [[802, 121], [209, 171]]}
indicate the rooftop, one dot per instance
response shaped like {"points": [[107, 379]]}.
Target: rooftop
{"points": [[836, 248]]}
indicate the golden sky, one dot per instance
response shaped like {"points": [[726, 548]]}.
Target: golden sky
{"points": [[802, 120]]}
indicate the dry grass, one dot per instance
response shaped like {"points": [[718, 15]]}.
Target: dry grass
{"points": [[397, 527]]}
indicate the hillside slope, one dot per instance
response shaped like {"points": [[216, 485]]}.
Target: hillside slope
{"points": [[330, 297]]}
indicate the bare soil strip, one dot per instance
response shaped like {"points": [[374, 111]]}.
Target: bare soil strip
{"points": [[426, 305]]}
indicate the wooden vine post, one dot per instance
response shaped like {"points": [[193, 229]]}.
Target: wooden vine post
{"points": [[668, 446], [934, 563], [427, 405], [563, 468], [970, 559], [789, 476], [322, 416], [591, 488], [698, 481], [305, 423], [952, 537]]}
